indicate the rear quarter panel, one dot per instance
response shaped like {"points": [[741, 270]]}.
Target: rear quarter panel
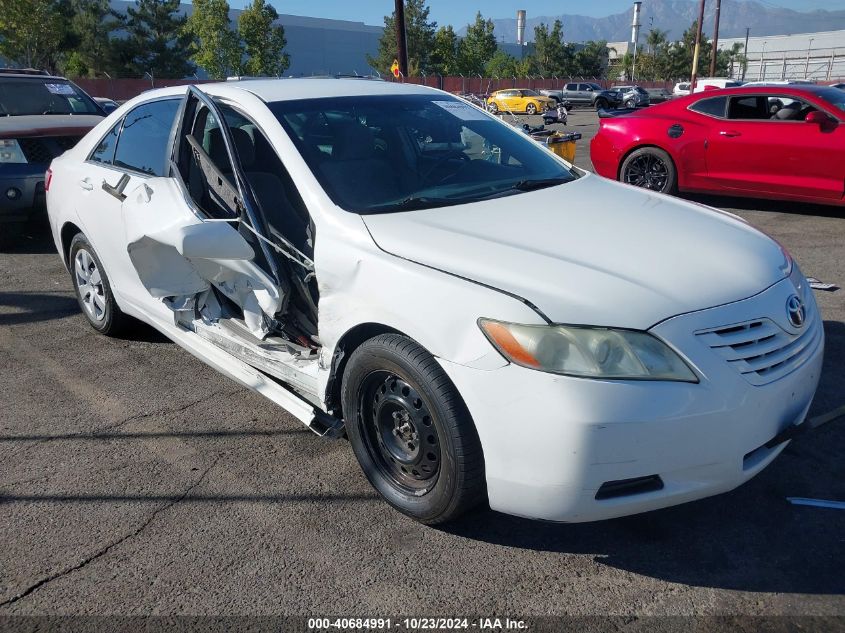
{"points": [[618, 137]]}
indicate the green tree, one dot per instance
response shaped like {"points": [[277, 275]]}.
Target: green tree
{"points": [[215, 47], [91, 26], [680, 54], [32, 32], [733, 60], [157, 41], [591, 60], [504, 66], [444, 56], [551, 55], [264, 42], [656, 40], [477, 47], [419, 36]]}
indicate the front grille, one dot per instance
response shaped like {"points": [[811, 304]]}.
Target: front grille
{"points": [[760, 350], [66, 142], [36, 150], [46, 148]]}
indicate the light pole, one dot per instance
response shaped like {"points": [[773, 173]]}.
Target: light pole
{"points": [[635, 37], [745, 52], [807, 65], [763, 61], [401, 38], [697, 47], [714, 53]]}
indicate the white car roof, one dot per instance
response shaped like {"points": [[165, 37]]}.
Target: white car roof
{"points": [[270, 90]]}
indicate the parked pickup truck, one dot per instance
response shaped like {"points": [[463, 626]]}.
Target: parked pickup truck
{"points": [[585, 94]]}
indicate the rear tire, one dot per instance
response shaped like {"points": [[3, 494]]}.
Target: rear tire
{"points": [[650, 168], [93, 290], [411, 431]]}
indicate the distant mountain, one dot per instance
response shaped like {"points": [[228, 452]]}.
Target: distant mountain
{"points": [[676, 16]]}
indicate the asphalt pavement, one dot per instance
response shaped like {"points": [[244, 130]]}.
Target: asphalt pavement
{"points": [[136, 480]]}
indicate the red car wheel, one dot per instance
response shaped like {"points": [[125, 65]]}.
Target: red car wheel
{"points": [[650, 168]]}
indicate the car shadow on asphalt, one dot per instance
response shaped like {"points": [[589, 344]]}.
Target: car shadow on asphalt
{"points": [[32, 238], [751, 539], [32, 307], [759, 204]]}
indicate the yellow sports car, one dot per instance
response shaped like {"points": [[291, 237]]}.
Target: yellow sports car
{"points": [[519, 100]]}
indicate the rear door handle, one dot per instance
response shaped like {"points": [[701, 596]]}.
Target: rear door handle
{"points": [[117, 190], [729, 133], [85, 183]]}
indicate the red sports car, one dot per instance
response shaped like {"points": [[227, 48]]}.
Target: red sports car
{"points": [[780, 142]]}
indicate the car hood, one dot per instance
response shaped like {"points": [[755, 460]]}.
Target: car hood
{"points": [[591, 251], [48, 124]]}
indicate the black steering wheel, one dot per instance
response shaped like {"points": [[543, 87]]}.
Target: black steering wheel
{"points": [[448, 155]]}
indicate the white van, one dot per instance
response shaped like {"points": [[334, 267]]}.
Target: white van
{"points": [[709, 83]]}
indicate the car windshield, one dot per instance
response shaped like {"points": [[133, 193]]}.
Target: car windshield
{"points": [[383, 154], [833, 96], [21, 96]]}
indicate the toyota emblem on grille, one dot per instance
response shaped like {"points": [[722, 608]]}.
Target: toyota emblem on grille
{"points": [[795, 311]]}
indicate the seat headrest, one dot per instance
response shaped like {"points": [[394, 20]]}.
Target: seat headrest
{"points": [[353, 141], [788, 111], [243, 146]]}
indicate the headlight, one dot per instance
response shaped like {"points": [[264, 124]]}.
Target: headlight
{"points": [[10, 152], [589, 352]]}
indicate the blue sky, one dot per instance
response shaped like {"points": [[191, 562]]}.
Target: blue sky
{"points": [[459, 12]]}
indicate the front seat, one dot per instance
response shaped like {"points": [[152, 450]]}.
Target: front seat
{"points": [[788, 112], [266, 186], [354, 173]]}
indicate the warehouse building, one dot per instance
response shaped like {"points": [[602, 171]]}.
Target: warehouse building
{"points": [[817, 56]]}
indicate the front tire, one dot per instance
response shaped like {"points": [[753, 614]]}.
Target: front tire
{"points": [[630, 103], [650, 168], [411, 431], [93, 290], [601, 104], [531, 109]]}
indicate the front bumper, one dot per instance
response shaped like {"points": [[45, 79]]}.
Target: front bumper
{"points": [[551, 442], [26, 181]]}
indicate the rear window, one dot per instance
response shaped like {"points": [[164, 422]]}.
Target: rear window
{"points": [[712, 107], [21, 96], [145, 136]]}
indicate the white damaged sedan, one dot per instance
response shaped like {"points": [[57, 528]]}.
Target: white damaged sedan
{"points": [[483, 320]]}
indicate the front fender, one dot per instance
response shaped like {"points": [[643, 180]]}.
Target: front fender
{"points": [[361, 284]]}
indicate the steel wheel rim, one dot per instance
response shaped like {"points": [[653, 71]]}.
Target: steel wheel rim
{"points": [[89, 285], [647, 171], [399, 432]]}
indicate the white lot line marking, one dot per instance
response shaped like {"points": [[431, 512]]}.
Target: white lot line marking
{"points": [[819, 503]]}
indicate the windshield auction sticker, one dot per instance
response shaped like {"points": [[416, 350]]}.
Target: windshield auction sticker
{"points": [[463, 111], [61, 89]]}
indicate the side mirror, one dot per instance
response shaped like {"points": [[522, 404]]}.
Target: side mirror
{"points": [[820, 118], [212, 240]]}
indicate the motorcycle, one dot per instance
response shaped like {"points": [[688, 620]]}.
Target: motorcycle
{"points": [[558, 115]]}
